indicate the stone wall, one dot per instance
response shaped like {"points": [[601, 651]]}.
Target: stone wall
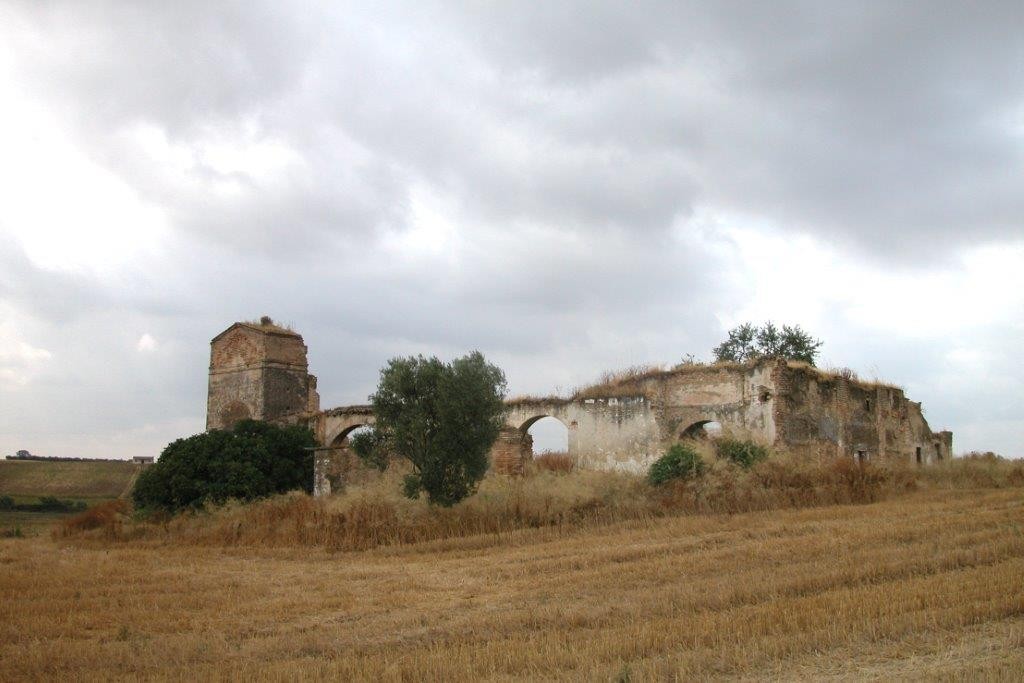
{"points": [[835, 415], [260, 371]]}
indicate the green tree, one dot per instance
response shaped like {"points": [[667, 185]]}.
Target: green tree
{"points": [[252, 460], [441, 417], [747, 342]]}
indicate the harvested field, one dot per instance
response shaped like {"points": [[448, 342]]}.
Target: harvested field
{"points": [[924, 585]]}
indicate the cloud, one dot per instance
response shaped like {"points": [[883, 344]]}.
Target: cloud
{"points": [[569, 187], [146, 343]]}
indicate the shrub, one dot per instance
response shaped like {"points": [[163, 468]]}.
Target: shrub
{"points": [[44, 504], [680, 462], [53, 504], [106, 516], [252, 460], [740, 451]]}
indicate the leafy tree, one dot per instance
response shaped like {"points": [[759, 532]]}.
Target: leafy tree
{"points": [[441, 417], [747, 342], [679, 462], [252, 460]]}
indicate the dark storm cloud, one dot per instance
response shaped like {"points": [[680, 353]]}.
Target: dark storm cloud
{"points": [[887, 125], [572, 150]]}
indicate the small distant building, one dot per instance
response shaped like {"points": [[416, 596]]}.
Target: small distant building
{"points": [[143, 459]]}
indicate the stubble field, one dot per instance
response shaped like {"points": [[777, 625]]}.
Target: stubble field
{"points": [[928, 585]]}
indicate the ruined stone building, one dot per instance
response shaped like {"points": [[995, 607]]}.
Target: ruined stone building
{"points": [[259, 371]]}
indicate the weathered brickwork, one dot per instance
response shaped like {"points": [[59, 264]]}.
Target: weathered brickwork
{"points": [[260, 371]]}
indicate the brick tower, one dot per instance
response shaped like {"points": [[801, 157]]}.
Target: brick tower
{"points": [[259, 371]]}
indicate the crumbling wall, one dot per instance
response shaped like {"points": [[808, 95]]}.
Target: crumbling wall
{"points": [[608, 433], [236, 378], [841, 416], [739, 398], [259, 372]]}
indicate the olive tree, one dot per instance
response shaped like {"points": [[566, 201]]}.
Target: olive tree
{"points": [[441, 417]]}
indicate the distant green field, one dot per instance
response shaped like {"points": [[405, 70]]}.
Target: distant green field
{"points": [[26, 481], [81, 480], [27, 523]]}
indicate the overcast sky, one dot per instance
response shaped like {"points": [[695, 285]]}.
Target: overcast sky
{"points": [[568, 187]]}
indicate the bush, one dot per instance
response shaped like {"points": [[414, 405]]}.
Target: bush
{"points": [[742, 452], [106, 516], [44, 504], [680, 462], [52, 504], [252, 460]]}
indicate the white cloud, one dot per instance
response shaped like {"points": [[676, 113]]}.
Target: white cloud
{"points": [[19, 360], [67, 211], [146, 343]]}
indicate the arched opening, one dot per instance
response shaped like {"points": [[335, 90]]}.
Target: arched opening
{"points": [[341, 465], [345, 436], [705, 429], [235, 412], [548, 435]]}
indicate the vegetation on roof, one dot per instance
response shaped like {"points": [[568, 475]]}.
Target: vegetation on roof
{"points": [[268, 324]]}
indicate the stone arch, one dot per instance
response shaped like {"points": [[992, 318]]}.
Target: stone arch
{"points": [[337, 465], [234, 412], [702, 429], [340, 439], [528, 439], [336, 427]]}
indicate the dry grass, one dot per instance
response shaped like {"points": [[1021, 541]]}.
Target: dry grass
{"points": [[833, 373], [631, 380], [106, 517], [374, 514], [267, 323], [618, 381], [552, 461], [924, 585]]}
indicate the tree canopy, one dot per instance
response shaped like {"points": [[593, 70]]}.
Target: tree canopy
{"points": [[252, 460], [747, 342], [441, 417]]}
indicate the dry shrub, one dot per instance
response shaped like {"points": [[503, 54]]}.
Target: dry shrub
{"points": [[619, 380], [551, 461], [104, 519], [784, 481], [975, 471], [375, 514]]}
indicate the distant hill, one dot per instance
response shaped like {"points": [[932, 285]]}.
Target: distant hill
{"points": [[79, 479]]}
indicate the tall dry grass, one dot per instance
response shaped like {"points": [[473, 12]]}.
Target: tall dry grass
{"points": [[553, 461], [375, 514]]}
